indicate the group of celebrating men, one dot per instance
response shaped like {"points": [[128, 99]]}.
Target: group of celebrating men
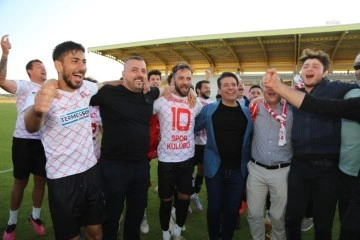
{"points": [[275, 147]]}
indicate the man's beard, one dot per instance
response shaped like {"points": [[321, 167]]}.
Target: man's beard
{"points": [[204, 96], [69, 83], [177, 88]]}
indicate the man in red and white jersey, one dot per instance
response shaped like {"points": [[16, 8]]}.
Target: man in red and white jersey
{"points": [[27, 151], [60, 112], [176, 149]]}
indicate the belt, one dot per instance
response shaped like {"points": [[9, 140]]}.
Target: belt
{"points": [[271, 167]]}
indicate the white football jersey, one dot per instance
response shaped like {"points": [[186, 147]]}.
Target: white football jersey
{"points": [[23, 89], [177, 121], [67, 133]]}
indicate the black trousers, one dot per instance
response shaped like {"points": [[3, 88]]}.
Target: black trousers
{"points": [[346, 189], [124, 182], [314, 181], [350, 221]]}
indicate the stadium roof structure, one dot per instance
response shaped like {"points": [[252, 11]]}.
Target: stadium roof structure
{"points": [[244, 52]]}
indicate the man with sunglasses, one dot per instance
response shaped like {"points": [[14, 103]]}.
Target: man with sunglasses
{"points": [[349, 163], [357, 68]]}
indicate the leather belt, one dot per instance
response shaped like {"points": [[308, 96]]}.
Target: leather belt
{"points": [[270, 167]]}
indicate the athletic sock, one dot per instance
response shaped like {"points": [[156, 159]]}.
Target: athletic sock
{"points": [[13, 217], [36, 213]]}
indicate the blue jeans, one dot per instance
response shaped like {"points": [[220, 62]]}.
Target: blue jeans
{"points": [[124, 181], [225, 192]]}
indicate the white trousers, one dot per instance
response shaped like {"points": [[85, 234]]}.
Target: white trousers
{"points": [[260, 181]]}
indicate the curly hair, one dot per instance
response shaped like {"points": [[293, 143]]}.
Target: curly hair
{"points": [[322, 56]]}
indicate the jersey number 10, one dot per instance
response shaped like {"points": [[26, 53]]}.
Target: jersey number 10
{"points": [[180, 119]]}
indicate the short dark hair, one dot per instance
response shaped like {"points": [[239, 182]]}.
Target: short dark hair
{"points": [[134, 58], [322, 56], [29, 65], [66, 47], [169, 78], [224, 75], [255, 86], [154, 72], [199, 84]]}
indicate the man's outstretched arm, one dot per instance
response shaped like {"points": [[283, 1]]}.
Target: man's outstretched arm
{"points": [[348, 108]]}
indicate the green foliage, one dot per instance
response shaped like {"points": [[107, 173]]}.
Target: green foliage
{"points": [[196, 228]]}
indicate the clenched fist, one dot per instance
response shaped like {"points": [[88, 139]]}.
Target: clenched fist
{"points": [[45, 96]]}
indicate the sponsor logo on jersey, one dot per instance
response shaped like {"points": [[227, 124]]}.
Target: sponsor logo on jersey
{"points": [[84, 94], [74, 116]]}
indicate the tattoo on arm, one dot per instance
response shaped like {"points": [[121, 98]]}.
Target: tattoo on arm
{"points": [[3, 67]]}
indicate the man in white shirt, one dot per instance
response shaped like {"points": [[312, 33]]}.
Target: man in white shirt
{"points": [[60, 112], [27, 151]]}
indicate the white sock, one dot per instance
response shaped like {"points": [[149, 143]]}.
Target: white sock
{"points": [[36, 213], [177, 231], [13, 217], [166, 235]]}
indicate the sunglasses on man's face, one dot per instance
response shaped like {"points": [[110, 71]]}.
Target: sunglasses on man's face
{"points": [[357, 66]]}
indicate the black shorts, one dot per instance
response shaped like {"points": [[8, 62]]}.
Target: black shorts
{"points": [[199, 154], [176, 175], [28, 156], [76, 201]]}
